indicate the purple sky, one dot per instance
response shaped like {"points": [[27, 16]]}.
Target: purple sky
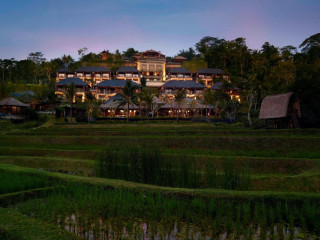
{"points": [[57, 27]]}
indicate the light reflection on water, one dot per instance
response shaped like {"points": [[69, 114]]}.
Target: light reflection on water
{"points": [[174, 230]]}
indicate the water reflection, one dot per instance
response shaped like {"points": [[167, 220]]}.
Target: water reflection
{"points": [[170, 229]]}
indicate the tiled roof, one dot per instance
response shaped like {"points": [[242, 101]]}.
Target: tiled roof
{"points": [[68, 81], [183, 84], [217, 86], [128, 69], [92, 69], [210, 71], [179, 70], [114, 83], [180, 58], [64, 70]]}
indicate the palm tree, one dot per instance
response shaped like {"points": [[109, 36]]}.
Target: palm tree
{"points": [[208, 99], [147, 98], [179, 96], [90, 104], [71, 92], [139, 102], [128, 96]]}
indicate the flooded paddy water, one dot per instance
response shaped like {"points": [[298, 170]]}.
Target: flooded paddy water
{"points": [[175, 230]]}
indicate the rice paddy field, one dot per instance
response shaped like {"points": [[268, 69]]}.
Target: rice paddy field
{"points": [[159, 181]]}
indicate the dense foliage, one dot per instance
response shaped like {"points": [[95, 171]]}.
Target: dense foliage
{"points": [[258, 73]]}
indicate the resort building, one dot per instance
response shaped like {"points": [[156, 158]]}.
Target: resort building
{"points": [[193, 89], [11, 108], [93, 75], [112, 108], [109, 88], [188, 108], [180, 73], [81, 87], [210, 75], [152, 65], [104, 55], [129, 73], [63, 73], [233, 92], [179, 59]]}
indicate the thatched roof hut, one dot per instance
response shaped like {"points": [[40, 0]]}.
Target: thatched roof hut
{"points": [[283, 109], [186, 104], [11, 108], [114, 103], [12, 102], [280, 106]]}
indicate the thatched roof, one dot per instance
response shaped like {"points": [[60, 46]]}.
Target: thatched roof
{"points": [[186, 104], [11, 101], [158, 101], [276, 106], [114, 102]]}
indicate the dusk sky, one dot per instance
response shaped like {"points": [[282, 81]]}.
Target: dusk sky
{"points": [[57, 27]]}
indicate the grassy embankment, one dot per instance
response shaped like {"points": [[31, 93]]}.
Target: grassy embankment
{"points": [[281, 160], [284, 168]]}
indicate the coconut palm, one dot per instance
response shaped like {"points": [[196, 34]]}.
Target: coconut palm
{"points": [[71, 92], [208, 99], [128, 95], [147, 98], [90, 104], [179, 97]]}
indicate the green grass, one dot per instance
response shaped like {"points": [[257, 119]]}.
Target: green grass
{"points": [[186, 192], [14, 182], [15, 226]]}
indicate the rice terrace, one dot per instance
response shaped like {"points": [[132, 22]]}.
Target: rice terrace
{"points": [[159, 181], [160, 120]]}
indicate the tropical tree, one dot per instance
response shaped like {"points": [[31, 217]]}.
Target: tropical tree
{"points": [[231, 109], [128, 95], [220, 99], [147, 100], [143, 81], [208, 99], [67, 59], [189, 54], [90, 104], [82, 52], [129, 52], [38, 59], [179, 97], [310, 42], [71, 92]]}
